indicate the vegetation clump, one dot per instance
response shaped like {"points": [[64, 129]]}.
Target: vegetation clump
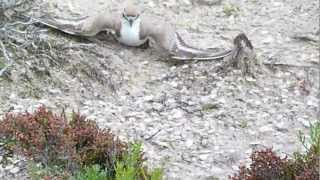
{"points": [[267, 165], [67, 148]]}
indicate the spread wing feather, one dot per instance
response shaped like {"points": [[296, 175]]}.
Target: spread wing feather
{"points": [[86, 26]]}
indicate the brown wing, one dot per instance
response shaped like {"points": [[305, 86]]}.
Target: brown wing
{"points": [[160, 32], [87, 26], [101, 22]]}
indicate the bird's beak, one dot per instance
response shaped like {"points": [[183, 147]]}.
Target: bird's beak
{"points": [[130, 22]]}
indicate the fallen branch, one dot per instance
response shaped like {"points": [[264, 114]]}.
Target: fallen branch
{"points": [[153, 135], [5, 55], [306, 37], [289, 65]]}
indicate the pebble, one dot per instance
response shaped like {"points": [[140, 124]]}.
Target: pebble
{"points": [[9, 167], [304, 122], [148, 98], [15, 170], [177, 114], [189, 143], [281, 126], [209, 2], [266, 128]]}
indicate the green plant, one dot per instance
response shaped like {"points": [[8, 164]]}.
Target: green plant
{"points": [[302, 166], [209, 107], [131, 168], [313, 144], [92, 173], [243, 124], [38, 172], [230, 9], [2, 64], [156, 174]]}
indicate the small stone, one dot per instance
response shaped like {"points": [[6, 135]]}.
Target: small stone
{"points": [[203, 157], [15, 161], [177, 114], [9, 167], [254, 144], [265, 129], [268, 40], [186, 2], [174, 84], [158, 106], [248, 152], [217, 170], [304, 122], [148, 98], [162, 144], [281, 126], [235, 168], [209, 2], [204, 142], [189, 142], [15, 170], [54, 91]]}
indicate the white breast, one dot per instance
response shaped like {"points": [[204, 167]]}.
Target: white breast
{"points": [[129, 35]]}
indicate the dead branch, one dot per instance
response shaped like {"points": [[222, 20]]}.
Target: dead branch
{"points": [[5, 55]]}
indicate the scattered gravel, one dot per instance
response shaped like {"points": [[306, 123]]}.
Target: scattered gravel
{"points": [[193, 121]]}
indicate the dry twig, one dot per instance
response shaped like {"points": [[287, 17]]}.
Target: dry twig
{"points": [[6, 56]]}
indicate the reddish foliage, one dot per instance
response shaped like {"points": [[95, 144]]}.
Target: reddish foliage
{"points": [[52, 140], [267, 165]]}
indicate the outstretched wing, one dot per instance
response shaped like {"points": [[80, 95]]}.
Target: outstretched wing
{"points": [[160, 33], [170, 44], [105, 21], [85, 26]]}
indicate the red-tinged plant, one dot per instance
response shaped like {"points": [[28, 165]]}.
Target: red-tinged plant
{"points": [[40, 135], [52, 140], [265, 165], [303, 166], [94, 145]]}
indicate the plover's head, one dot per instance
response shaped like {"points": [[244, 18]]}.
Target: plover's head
{"points": [[130, 14]]}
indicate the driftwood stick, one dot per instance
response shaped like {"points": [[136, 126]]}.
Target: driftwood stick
{"points": [[5, 55]]}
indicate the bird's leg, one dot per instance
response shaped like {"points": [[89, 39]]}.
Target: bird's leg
{"points": [[145, 45]]}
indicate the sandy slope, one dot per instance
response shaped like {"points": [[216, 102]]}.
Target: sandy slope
{"points": [[207, 123]]}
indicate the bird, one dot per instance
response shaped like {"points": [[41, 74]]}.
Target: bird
{"points": [[131, 27]]}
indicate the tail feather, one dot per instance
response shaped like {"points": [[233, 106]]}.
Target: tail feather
{"points": [[187, 52]]}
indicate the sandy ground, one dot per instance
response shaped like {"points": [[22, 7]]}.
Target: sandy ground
{"points": [[203, 124]]}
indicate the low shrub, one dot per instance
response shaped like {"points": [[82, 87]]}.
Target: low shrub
{"points": [[267, 165], [131, 168], [94, 172], [73, 146]]}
